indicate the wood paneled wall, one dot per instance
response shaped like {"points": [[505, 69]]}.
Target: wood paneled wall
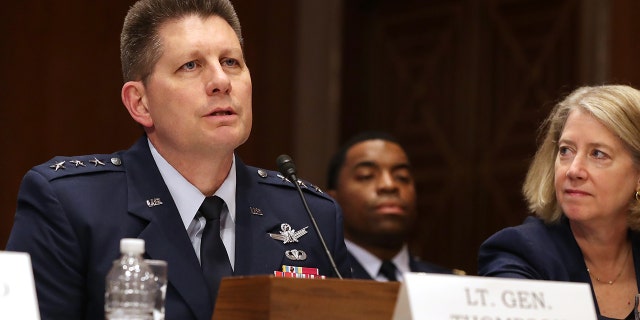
{"points": [[61, 85], [465, 84]]}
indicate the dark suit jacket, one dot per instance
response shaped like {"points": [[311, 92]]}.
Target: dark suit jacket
{"points": [[415, 265], [71, 221], [535, 250]]}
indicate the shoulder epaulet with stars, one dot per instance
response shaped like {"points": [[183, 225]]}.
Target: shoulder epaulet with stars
{"points": [[67, 166], [276, 178]]}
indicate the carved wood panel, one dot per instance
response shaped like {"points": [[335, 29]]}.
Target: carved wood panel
{"points": [[464, 85]]}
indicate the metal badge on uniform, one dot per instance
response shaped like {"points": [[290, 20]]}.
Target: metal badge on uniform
{"points": [[288, 234], [255, 211], [95, 162], [296, 255], [57, 165], [318, 190], [78, 163], [154, 202]]}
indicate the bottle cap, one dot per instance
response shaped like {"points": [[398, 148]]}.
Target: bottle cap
{"points": [[132, 246]]}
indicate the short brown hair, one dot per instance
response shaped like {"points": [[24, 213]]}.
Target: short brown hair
{"points": [[617, 107], [140, 46]]}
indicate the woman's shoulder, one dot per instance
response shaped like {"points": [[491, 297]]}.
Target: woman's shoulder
{"points": [[532, 239], [533, 249], [532, 229]]}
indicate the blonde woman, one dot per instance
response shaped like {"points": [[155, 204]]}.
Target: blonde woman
{"points": [[582, 188]]}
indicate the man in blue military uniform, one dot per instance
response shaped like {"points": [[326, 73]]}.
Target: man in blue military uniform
{"points": [[188, 86], [370, 176]]}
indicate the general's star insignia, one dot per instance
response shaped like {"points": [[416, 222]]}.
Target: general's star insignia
{"points": [[282, 177], [57, 165], [288, 234], [318, 190], [96, 162], [78, 163]]}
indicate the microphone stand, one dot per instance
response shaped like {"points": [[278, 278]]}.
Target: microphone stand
{"points": [[287, 168]]}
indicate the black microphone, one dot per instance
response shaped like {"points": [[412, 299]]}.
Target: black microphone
{"points": [[288, 169]]}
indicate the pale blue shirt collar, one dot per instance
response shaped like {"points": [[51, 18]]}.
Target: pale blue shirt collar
{"points": [[372, 264], [187, 197]]}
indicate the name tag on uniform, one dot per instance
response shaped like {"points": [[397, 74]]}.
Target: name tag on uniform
{"points": [[451, 297], [17, 289]]}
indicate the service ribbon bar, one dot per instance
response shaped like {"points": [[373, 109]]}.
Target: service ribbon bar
{"points": [[301, 270], [281, 274]]}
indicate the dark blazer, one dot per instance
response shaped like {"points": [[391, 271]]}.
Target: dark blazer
{"points": [[415, 265], [71, 219], [535, 250]]}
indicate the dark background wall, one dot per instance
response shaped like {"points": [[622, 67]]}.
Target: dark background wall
{"points": [[464, 84]]}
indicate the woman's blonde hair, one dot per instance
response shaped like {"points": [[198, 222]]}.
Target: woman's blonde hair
{"points": [[617, 107]]}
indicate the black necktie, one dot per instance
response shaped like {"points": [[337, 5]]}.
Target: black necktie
{"points": [[213, 255], [388, 270]]}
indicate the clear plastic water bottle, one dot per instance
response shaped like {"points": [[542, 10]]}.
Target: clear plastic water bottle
{"points": [[130, 286]]}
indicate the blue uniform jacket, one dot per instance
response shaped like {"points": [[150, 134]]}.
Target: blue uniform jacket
{"points": [[71, 216], [535, 250]]}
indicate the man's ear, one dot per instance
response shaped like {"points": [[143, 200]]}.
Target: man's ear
{"points": [[135, 100]]}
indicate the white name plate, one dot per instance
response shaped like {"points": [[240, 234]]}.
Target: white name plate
{"points": [[17, 289], [451, 297]]}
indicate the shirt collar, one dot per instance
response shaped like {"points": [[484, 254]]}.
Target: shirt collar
{"points": [[186, 196], [372, 263]]}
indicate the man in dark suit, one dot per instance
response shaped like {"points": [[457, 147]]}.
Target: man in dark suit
{"points": [[188, 86], [371, 178]]}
